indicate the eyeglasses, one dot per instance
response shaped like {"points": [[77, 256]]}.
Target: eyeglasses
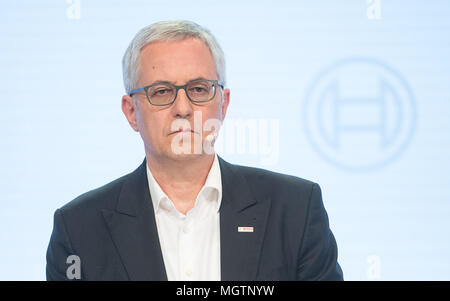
{"points": [[165, 93]]}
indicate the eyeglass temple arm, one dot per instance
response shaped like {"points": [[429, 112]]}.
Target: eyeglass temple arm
{"points": [[135, 91]]}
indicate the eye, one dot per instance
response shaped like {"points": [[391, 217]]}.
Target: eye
{"points": [[199, 89], [160, 92]]}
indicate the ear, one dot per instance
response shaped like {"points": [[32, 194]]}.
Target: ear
{"points": [[129, 109], [225, 103]]}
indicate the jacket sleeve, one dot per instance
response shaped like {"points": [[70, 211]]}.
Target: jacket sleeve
{"points": [[317, 257], [58, 251]]}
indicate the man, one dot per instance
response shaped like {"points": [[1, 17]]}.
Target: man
{"points": [[185, 213]]}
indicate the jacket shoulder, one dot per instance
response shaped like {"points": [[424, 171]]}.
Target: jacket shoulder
{"points": [[102, 197], [272, 178], [287, 189]]}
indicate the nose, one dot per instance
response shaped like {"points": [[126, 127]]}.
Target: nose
{"points": [[182, 107]]}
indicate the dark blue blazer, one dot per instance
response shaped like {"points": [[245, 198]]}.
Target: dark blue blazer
{"points": [[113, 231]]}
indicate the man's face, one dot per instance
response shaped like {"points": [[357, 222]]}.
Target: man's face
{"points": [[177, 62]]}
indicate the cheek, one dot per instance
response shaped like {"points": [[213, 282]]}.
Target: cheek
{"points": [[149, 125], [141, 122], [218, 113], [212, 120], [213, 113]]}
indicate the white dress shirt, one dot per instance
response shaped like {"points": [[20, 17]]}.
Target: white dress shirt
{"points": [[190, 243]]}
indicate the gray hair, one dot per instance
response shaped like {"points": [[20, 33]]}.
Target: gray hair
{"points": [[168, 31]]}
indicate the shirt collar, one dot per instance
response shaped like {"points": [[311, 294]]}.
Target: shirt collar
{"points": [[213, 182]]}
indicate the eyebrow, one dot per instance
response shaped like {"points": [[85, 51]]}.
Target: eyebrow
{"points": [[173, 83]]}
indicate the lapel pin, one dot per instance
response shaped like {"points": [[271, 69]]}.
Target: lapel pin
{"points": [[245, 229]]}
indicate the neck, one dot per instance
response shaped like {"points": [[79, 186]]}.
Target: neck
{"points": [[180, 179]]}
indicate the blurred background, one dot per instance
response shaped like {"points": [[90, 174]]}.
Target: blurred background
{"points": [[354, 95]]}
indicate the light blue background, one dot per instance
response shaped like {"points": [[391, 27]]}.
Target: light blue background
{"points": [[63, 133]]}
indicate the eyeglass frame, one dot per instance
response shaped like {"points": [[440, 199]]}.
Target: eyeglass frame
{"points": [[215, 83]]}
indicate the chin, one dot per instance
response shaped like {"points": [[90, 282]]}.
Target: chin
{"points": [[186, 157], [181, 149]]}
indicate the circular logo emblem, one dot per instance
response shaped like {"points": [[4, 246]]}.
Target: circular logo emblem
{"points": [[359, 114]]}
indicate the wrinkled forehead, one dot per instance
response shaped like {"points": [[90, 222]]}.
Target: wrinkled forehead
{"points": [[176, 61]]}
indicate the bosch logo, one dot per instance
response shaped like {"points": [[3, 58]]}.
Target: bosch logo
{"points": [[359, 114]]}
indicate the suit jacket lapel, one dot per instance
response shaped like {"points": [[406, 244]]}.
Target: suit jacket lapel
{"points": [[133, 229], [240, 251]]}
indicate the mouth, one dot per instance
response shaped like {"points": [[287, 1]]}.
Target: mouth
{"points": [[183, 131]]}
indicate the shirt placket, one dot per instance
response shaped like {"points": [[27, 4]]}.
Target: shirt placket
{"points": [[186, 250]]}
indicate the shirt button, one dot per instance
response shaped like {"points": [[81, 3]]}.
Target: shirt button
{"points": [[189, 273], [186, 230]]}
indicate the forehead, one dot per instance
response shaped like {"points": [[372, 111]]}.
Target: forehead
{"points": [[176, 61]]}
